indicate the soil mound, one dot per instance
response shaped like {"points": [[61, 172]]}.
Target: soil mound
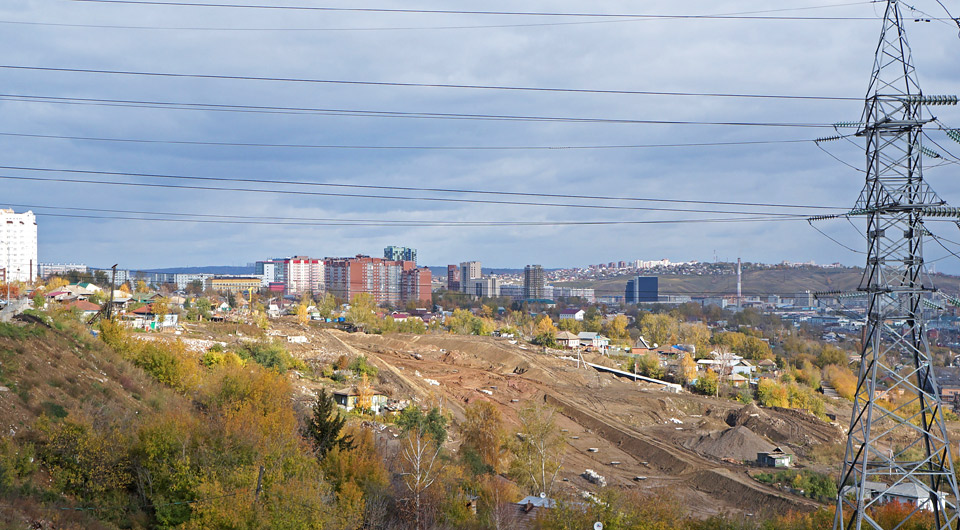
{"points": [[737, 443]]}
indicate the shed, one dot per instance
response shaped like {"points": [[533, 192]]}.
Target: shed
{"points": [[348, 399], [775, 458]]}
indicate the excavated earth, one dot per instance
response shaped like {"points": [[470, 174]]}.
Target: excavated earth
{"points": [[635, 435]]}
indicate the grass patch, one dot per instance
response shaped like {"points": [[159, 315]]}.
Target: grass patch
{"points": [[11, 331], [54, 410]]}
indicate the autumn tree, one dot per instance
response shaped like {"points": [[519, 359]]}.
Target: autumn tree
{"points": [[326, 305], [161, 308], [658, 329], [688, 368], [569, 324], [538, 449], [616, 329], [482, 432], [708, 383], [545, 333], [697, 334], [420, 466], [364, 394], [362, 310], [302, 314], [460, 322], [325, 427]]}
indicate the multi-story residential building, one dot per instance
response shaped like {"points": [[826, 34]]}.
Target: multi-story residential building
{"points": [[488, 287], [388, 281], [233, 284], [18, 245], [415, 286], [533, 282], [511, 290], [642, 289], [297, 274], [302, 274], [46, 270], [183, 280], [269, 271], [453, 278], [469, 271], [393, 253], [588, 295]]}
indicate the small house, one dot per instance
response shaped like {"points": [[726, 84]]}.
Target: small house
{"points": [[594, 340], [565, 339], [737, 380], [767, 365], [775, 458], [530, 507], [86, 309], [349, 399], [908, 493]]}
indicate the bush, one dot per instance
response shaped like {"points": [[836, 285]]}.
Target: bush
{"points": [[361, 366], [817, 486], [270, 355], [707, 383]]}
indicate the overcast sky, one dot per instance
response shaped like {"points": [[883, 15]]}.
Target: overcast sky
{"points": [[755, 56]]}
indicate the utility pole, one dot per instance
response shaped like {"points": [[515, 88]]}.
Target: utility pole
{"points": [[113, 288], [901, 450]]}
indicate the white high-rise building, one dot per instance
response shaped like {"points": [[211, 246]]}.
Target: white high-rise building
{"points": [[18, 245]]}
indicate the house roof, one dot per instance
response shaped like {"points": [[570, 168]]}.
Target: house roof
{"points": [[566, 335], [737, 377], [143, 310], [570, 311], [539, 502], [82, 305]]}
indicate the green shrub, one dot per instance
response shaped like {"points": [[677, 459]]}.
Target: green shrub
{"points": [[270, 355], [817, 486], [360, 366]]}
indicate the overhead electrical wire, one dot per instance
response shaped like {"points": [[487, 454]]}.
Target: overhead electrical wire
{"points": [[401, 147], [341, 221], [639, 18], [486, 13], [383, 197], [419, 224], [425, 189], [426, 85]]}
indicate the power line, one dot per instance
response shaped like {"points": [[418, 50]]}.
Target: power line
{"points": [[495, 13], [341, 221], [221, 107], [386, 197], [403, 147], [437, 85], [426, 223], [431, 190], [640, 18]]}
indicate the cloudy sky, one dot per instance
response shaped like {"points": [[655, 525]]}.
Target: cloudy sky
{"points": [[363, 134]]}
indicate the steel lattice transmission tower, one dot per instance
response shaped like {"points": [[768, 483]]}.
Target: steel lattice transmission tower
{"points": [[895, 451]]}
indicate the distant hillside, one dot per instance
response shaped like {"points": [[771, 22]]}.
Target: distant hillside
{"points": [[784, 282]]}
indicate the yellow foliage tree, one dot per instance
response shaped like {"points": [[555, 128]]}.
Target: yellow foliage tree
{"points": [[364, 394], [658, 328], [688, 368], [302, 316]]}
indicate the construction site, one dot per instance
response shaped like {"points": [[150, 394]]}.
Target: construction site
{"points": [[633, 434]]}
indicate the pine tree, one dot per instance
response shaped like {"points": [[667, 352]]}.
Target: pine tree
{"points": [[326, 426]]}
